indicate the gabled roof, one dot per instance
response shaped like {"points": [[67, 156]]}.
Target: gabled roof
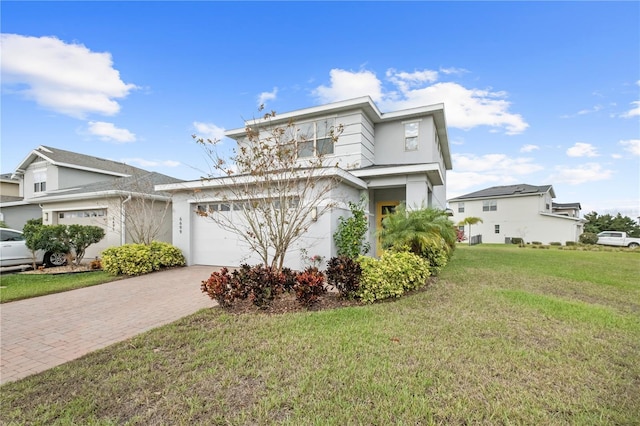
{"points": [[73, 160], [507, 191], [138, 184]]}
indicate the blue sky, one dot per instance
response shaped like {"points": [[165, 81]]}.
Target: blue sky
{"points": [[537, 93]]}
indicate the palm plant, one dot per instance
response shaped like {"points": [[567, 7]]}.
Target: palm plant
{"points": [[418, 231], [471, 220]]}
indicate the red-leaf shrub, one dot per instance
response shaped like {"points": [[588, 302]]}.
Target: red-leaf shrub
{"points": [[344, 274], [309, 286]]}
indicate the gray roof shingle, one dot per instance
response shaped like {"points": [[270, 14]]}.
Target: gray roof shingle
{"points": [[508, 190]]}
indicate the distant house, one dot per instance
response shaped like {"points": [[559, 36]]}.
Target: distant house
{"points": [[521, 211], [391, 158], [64, 187]]}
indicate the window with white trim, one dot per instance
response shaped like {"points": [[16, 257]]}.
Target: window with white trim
{"points": [[497, 229], [40, 180], [460, 207], [315, 138], [489, 206], [411, 136]]}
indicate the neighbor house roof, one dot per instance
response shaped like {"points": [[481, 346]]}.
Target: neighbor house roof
{"points": [[507, 191], [60, 157], [566, 206], [142, 183]]}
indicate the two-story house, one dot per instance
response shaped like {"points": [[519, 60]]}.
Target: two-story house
{"points": [[65, 187], [519, 211], [389, 158]]}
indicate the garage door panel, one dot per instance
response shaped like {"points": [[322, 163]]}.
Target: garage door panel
{"points": [[212, 245]]}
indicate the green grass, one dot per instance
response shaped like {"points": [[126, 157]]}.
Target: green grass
{"points": [[24, 286], [506, 336]]}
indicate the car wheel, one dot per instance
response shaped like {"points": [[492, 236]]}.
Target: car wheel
{"points": [[55, 259], [633, 245]]}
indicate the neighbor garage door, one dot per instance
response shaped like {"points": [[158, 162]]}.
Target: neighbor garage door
{"points": [[96, 217]]}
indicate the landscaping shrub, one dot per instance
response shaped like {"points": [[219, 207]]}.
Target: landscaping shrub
{"points": [[138, 259], [344, 274], [537, 243], [309, 286], [164, 255], [287, 279], [220, 287], [570, 243], [555, 243], [351, 233], [517, 240], [129, 259], [391, 275], [588, 238], [261, 284]]}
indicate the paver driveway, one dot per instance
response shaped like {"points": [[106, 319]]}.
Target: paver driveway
{"points": [[39, 333]]}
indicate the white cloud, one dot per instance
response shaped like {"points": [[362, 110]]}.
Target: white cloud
{"points": [[589, 172], [633, 112], [471, 172], [208, 130], [267, 96], [141, 162], [529, 148], [581, 149], [583, 112], [348, 85], [66, 78], [464, 108], [453, 70], [109, 132], [616, 156], [631, 145]]}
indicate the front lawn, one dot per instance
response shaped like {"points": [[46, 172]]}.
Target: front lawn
{"points": [[23, 286], [506, 336]]}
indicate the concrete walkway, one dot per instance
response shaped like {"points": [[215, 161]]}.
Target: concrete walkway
{"points": [[43, 332]]}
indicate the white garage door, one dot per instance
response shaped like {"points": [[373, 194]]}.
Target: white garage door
{"points": [[211, 245], [96, 217]]}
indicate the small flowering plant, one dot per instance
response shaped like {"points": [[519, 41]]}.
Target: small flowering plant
{"points": [[316, 261]]}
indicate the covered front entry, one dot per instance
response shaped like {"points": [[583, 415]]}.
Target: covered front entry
{"points": [[383, 209]]}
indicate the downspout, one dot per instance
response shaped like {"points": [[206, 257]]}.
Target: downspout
{"points": [[123, 234]]}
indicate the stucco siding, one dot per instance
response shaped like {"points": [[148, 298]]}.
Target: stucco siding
{"points": [[17, 216], [390, 143]]}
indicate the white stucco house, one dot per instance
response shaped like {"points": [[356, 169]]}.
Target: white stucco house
{"points": [[519, 211], [390, 158], [65, 187]]}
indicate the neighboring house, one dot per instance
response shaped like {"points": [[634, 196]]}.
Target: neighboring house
{"points": [[391, 158], [518, 211], [64, 187]]}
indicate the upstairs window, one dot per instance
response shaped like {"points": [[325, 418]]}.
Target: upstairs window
{"points": [[460, 207], [489, 206], [411, 136], [39, 180], [496, 229], [315, 138]]}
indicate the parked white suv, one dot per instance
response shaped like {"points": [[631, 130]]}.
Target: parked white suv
{"points": [[14, 251]]}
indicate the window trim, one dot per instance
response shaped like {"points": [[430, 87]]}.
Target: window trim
{"points": [[490, 205]]}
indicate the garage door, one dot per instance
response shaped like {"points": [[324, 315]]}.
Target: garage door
{"points": [[96, 217], [212, 245]]}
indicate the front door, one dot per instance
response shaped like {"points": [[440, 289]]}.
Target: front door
{"points": [[383, 209]]}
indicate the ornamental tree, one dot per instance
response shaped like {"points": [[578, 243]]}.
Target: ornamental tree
{"points": [[274, 185]]}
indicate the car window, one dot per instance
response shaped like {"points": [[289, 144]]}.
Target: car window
{"points": [[10, 236]]}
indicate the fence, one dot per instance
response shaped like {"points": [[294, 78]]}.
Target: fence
{"points": [[476, 239]]}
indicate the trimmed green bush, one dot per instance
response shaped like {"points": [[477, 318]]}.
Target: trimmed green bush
{"points": [[391, 275], [555, 243], [588, 238], [138, 259], [517, 240], [569, 243]]}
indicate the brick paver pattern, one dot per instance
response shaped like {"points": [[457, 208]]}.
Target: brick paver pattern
{"points": [[43, 332]]}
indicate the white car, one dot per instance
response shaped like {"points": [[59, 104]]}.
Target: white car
{"points": [[14, 251]]}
